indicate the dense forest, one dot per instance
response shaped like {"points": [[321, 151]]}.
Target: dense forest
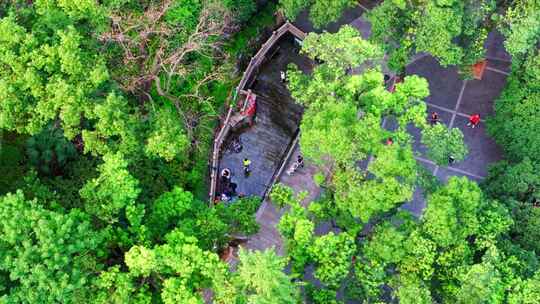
{"points": [[108, 112]]}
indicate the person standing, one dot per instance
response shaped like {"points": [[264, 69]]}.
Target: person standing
{"points": [[300, 161], [226, 175], [434, 118], [474, 120], [246, 164]]}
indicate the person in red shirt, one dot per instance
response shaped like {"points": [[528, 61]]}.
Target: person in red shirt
{"points": [[473, 120]]}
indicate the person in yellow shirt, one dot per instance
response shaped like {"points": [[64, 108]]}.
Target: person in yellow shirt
{"points": [[246, 163]]}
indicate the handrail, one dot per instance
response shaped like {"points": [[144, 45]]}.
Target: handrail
{"points": [[256, 60], [218, 141], [288, 155]]}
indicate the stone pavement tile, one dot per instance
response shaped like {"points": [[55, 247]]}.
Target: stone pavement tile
{"points": [[444, 174], [429, 166], [363, 26], [302, 179], [444, 117], [482, 149], [479, 95], [417, 204], [271, 215], [495, 47], [444, 83], [369, 4], [390, 123], [499, 65], [362, 164], [265, 142]]}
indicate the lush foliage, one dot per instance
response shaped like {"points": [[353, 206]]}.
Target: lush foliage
{"points": [[342, 123], [515, 126], [444, 144], [107, 112], [46, 256], [453, 31], [321, 12]]}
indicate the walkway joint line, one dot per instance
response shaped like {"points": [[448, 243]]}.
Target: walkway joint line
{"points": [[418, 58], [454, 113], [497, 71], [449, 110], [449, 168], [363, 7], [498, 59]]}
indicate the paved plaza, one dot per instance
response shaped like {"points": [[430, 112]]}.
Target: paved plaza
{"points": [[265, 143], [455, 100]]}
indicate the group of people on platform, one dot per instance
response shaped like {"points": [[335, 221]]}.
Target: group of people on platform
{"points": [[228, 187]]}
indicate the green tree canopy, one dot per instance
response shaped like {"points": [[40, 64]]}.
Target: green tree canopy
{"points": [[260, 279], [453, 31], [111, 192], [178, 269], [48, 256], [321, 12], [443, 143]]}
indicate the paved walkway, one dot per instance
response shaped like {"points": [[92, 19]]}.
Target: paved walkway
{"points": [[455, 100], [268, 215], [266, 142]]}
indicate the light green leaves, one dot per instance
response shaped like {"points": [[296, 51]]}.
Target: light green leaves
{"points": [[323, 12], [526, 291], [452, 31], [328, 133], [141, 261], [516, 125], [332, 254], [115, 129], [48, 256], [168, 138], [261, 279], [344, 49], [452, 212], [521, 26], [112, 191], [436, 30], [443, 143], [291, 8], [46, 77]]}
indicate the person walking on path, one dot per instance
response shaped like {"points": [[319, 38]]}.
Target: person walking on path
{"points": [[474, 120], [434, 118], [246, 163]]}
